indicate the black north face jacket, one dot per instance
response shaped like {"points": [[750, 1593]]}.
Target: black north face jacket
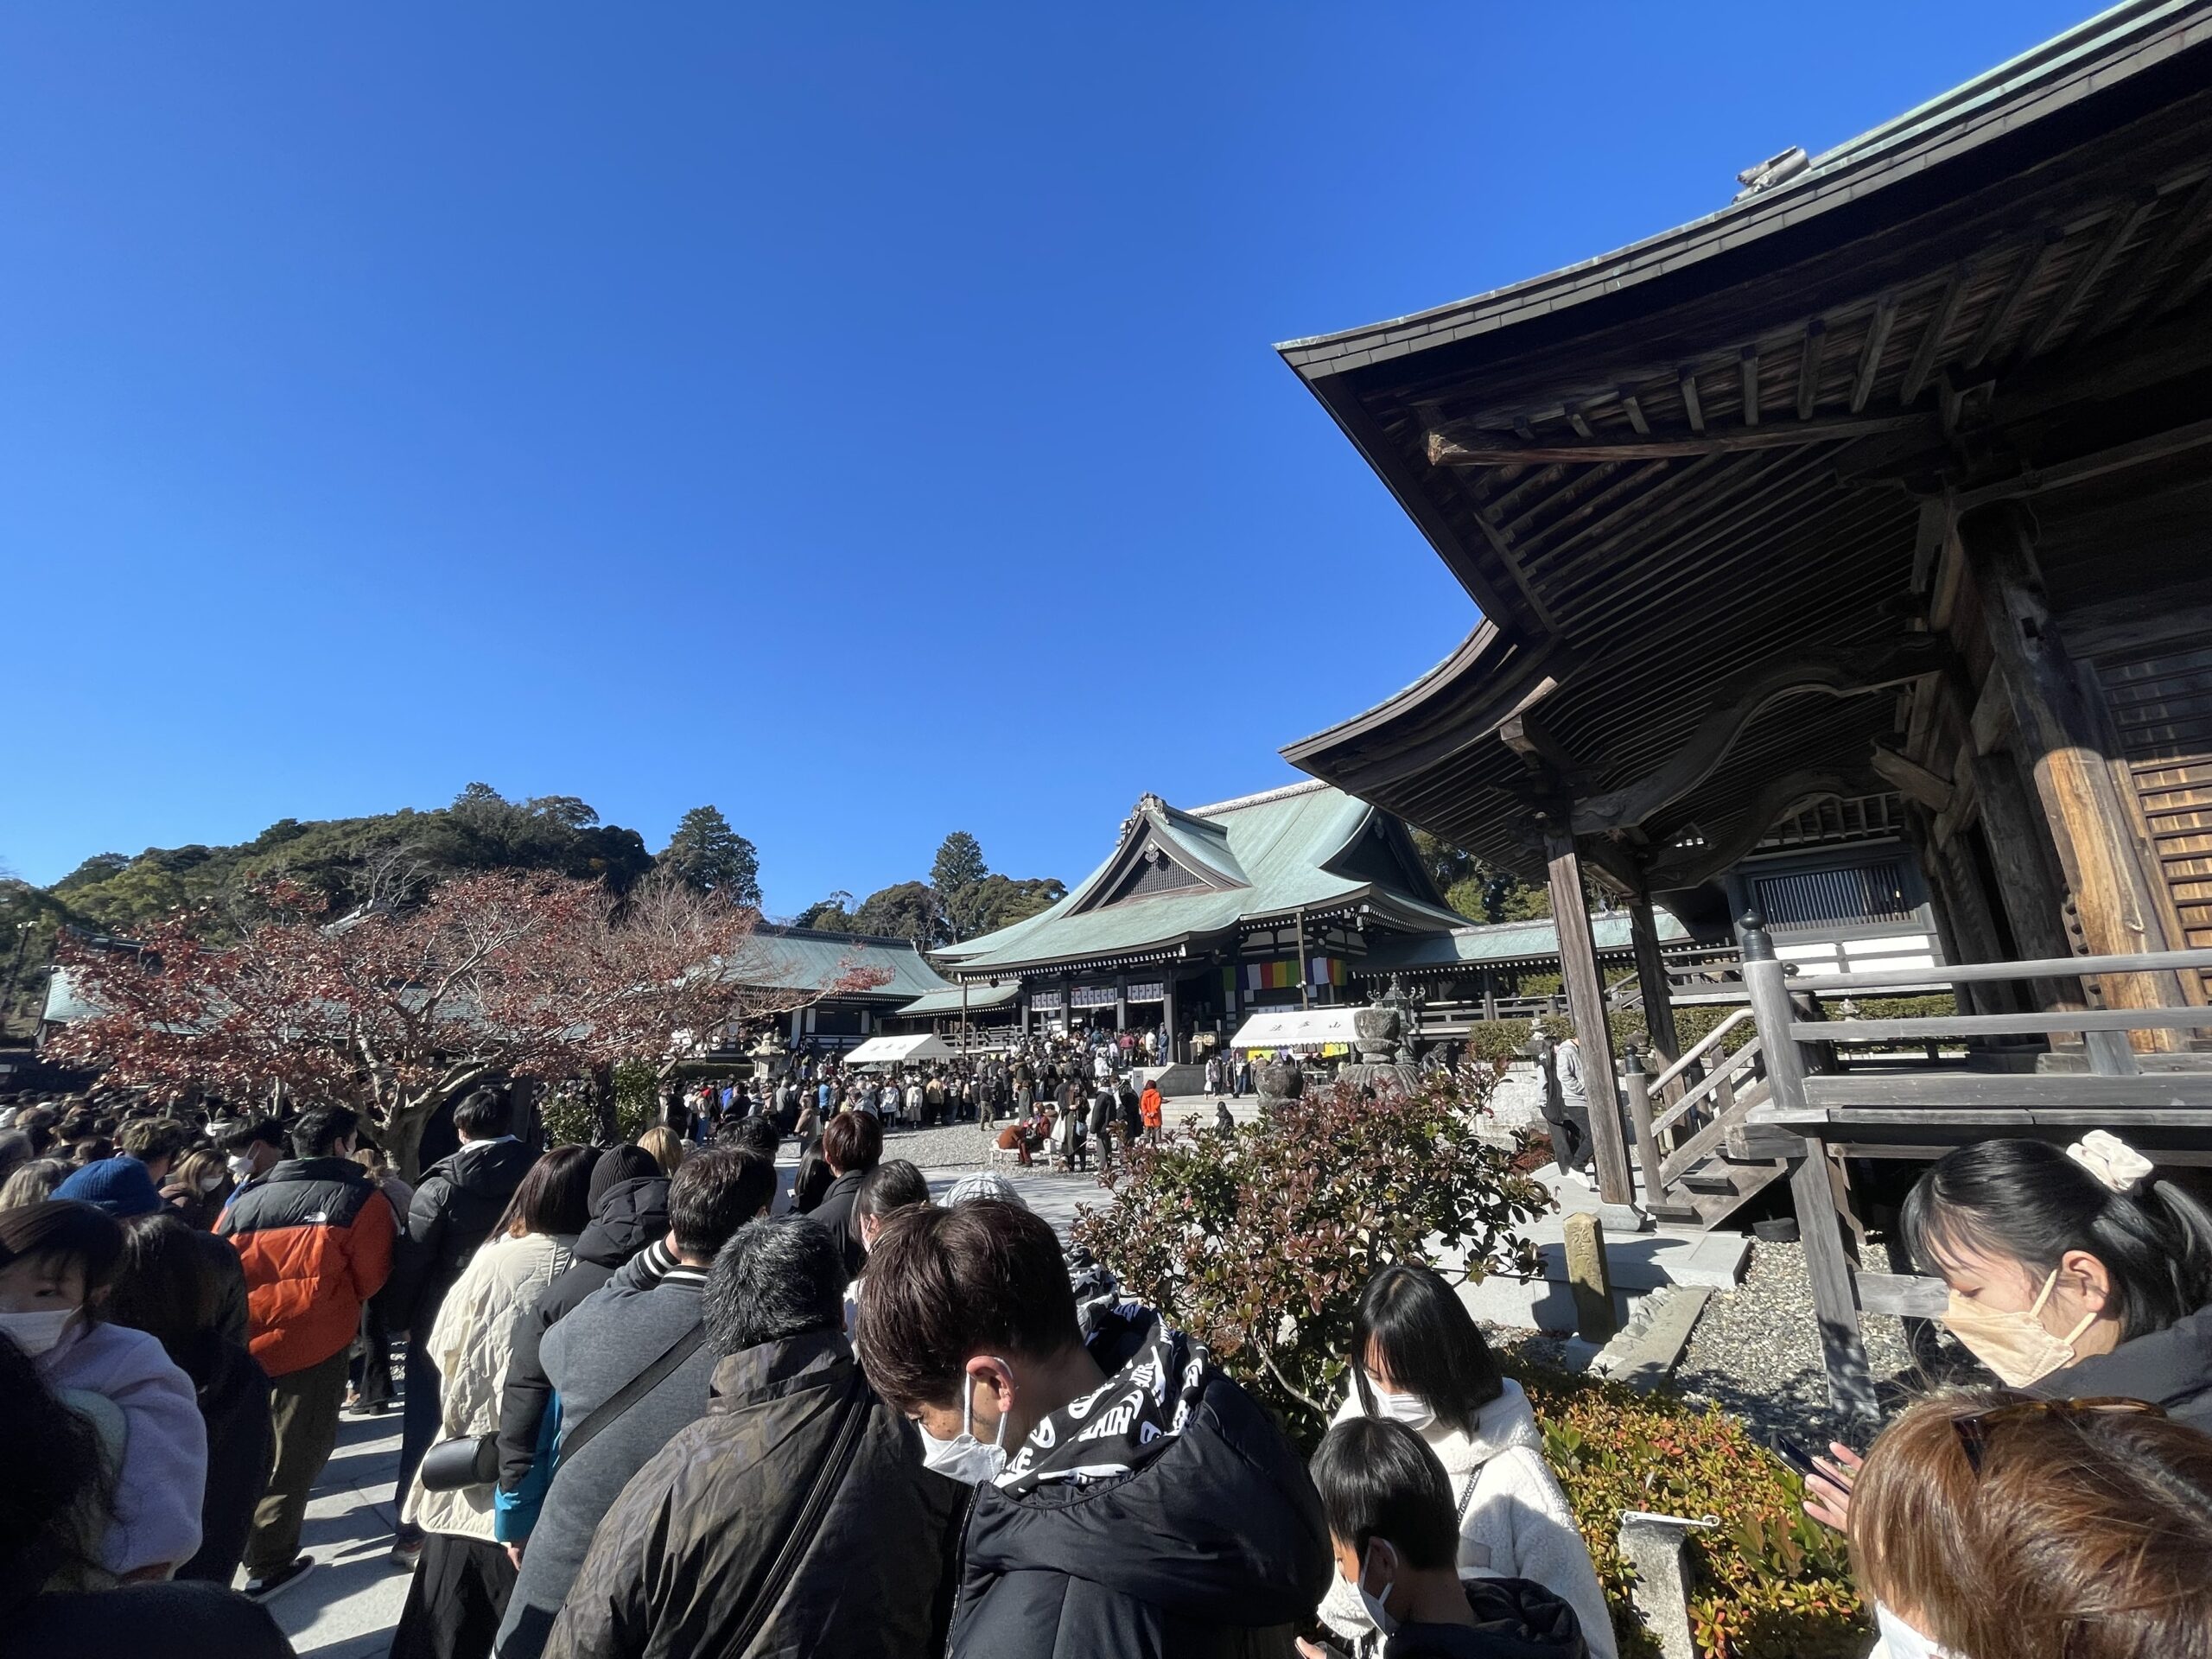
{"points": [[1215, 1548]]}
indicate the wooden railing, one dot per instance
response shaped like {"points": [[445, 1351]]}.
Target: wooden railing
{"points": [[1672, 1143], [1816, 1095]]}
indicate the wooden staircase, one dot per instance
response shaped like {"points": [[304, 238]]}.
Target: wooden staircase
{"points": [[1696, 1164]]}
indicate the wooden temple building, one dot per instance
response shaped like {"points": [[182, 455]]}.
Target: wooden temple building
{"points": [[1892, 477], [1199, 917]]}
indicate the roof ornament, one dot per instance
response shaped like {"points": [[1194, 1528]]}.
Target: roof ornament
{"points": [[1147, 801], [1775, 169]]}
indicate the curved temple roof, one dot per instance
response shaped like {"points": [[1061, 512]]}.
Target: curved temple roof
{"points": [[1259, 858]]}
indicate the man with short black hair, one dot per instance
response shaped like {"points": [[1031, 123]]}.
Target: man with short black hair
{"points": [[794, 1517], [1394, 1532], [157, 1142], [1129, 1497], [253, 1148], [455, 1204], [623, 1332], [314, 1236]]}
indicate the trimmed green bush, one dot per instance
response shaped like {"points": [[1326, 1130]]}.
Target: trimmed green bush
{"points": [[1766, 1583]]}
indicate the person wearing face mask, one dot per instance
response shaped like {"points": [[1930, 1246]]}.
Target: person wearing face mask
{"points": [[1394, 1529], [2073, 1271], [1990, 1524], [250, 1150], [795, 1516], [197, 1188], [1419, 1360], [1130, 1497], [56, 1261]]}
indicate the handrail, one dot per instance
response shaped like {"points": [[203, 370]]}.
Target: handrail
{"points": [[2000, 1025], [1975, 973], [1707, 1085], [1703, 1044], [1692, 1151]]}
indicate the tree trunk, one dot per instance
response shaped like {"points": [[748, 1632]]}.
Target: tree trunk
{"points": [[403, 1136], [602, 1093]]}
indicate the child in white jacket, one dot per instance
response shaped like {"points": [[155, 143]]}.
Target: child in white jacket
{"points": [[55, 1261], [1419, 1358]]}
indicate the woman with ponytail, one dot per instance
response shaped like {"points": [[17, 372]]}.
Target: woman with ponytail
{"points": [[2073, 1272]]}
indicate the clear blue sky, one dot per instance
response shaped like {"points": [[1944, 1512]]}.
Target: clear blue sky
{"points": [[864, 419]]}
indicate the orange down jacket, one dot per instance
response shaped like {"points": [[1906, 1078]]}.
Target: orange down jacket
{"points": [[314, 1236]]}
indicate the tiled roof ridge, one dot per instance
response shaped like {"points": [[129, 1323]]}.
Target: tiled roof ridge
{"points": [[1304, 786]]}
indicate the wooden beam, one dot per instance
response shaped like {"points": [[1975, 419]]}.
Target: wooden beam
{"points": [[1507, 557], [2173, 442], [1462, 446], [2124, 223], [1585, 1004], [1947, 312], [1870, 356], [2114, 904], [1574, 419], [1687, 381], [1931, 790], [1747, 366], [1737, 700], [1633, 407], [1652, 979], [2033, 260], [1809, 368], [1527, 735], [1613, 862]]}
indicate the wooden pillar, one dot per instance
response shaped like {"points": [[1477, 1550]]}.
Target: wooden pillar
{"points": [[2115, 907], [1585, 1004], [1167, 1017], [1835, 1296], [1652, 980], [1490, 994], [1305, 990], [1121, 1002]]}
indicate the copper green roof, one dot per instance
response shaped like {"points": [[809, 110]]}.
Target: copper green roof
{"points": [[949, 1001], [1496, 943], [812, 957], [1258, 859]]}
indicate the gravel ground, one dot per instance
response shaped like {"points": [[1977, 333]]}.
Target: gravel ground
{"points": [[1756, 1353], [943, 1147]]}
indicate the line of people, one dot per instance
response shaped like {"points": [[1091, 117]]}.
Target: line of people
{"points": [[663, 1419]]}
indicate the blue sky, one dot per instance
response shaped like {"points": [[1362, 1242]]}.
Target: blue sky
{"points": [[863, 418]]}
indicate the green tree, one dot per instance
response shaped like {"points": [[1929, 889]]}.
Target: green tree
{"points": [[709, 856], [956, 874], [833, 915], [999, 901], [907, 910]]}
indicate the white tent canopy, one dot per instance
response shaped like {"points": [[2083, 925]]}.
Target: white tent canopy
{"points": [[899, 1051], [1295, 1028]]}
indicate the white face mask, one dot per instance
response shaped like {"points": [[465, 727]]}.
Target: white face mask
{"points": [[963, 1457], [239, 1165], [1410, 1409], [1373, 1599], [1901, 1641], [212, 1182], [36, 1333]]}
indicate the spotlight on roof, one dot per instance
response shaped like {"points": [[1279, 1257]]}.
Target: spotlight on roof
{"points": [[1775, 169]]}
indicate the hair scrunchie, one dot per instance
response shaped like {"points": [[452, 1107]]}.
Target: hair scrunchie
{"points": [[2111, 1160]]}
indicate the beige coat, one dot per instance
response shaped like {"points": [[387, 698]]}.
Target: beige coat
{"points": [[471, 1344]]}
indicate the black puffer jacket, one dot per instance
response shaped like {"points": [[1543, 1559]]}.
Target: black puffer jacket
{"points": [[1514, 1619], [1215, 1548], [631, 1215], [691, 1559], [2170, 1367], [456, 1206]]}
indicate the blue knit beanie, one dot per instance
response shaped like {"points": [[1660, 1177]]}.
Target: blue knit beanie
{"points": [[119, 1185]]}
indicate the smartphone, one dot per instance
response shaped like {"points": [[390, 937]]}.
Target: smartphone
{"points": [[1794, 1455]]}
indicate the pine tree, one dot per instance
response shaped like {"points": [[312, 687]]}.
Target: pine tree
{"points": [[706, 854]]}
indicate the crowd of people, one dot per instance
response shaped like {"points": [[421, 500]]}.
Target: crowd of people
{"points": [[658, 1399]]}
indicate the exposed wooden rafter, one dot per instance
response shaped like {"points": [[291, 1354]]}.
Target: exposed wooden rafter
{"points": [[2124, 223], [1747, 365], [1870, 356], [1947, 311], [1792, 792], [1463, 446], [1809, 368], [2032, 261], [2188, 217]]}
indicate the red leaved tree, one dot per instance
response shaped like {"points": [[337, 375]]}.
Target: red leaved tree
{"points": [[397, 1009]]}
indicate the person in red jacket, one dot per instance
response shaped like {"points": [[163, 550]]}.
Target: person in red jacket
{"points": [[314, 1235]]}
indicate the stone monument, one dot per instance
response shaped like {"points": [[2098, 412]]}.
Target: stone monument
{"points": [[1382, 1032]]}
